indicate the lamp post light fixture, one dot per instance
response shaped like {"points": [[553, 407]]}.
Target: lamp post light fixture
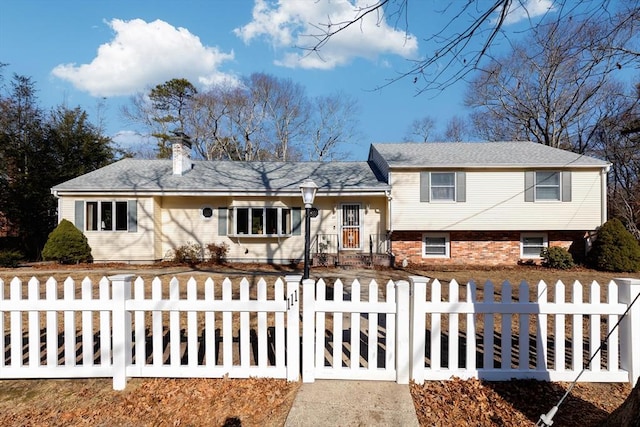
{"points": [[308, 190]]}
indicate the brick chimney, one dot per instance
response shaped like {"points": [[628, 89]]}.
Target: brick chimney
{"points": [[181, 147]]}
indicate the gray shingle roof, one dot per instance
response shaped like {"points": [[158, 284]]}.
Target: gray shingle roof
{"points": [[151, 176], [481, 154]]}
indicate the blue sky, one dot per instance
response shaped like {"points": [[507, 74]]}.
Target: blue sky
{"points": [[90, 53]]}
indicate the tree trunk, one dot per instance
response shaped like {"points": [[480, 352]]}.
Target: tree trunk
{"points": [[627, 414]]}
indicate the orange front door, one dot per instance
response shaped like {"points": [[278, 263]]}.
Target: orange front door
{"points": [[350, 226]]}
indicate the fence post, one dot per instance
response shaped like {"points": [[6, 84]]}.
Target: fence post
{"points": [[308, 330], [121, 335], [418, 326], [403, 334], [293, 327], [628, 290]]}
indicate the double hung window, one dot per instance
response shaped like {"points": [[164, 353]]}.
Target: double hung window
{"points": [[531, 245], [547, 185], [443, 186], [435, 245]]}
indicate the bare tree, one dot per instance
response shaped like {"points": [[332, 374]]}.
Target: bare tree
{"points": [[333, 125], [618, 139], [262, 118], [421, 129], [162, 110], [456, 130], [285, 112], [472, 27], [550, 88]]}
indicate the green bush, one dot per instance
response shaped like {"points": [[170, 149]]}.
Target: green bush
{"points": [[190, 253], [67, 245], [557, 257], [615, 249], [218, 252], [10, 258]]}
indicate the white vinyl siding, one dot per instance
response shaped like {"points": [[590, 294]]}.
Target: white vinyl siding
{"points": [[136, 245], [494, 200], [165, 223]]}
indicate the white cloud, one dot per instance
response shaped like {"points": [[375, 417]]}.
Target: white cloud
{"points": [[291, 24], [527, 9], [145, 54]]}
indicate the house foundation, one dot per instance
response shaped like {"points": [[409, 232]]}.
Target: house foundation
{"points": [[481, 248]]}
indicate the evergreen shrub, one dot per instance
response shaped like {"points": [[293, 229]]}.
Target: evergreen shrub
{"points": [[67, 245], [10, 258], [615, 249], [557, 257]]}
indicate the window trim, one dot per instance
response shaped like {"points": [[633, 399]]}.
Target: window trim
{"points": [[447, 245], [282, 222], [98, 216], [536, 186], [203, 216], [545, 244], [455, 187]]}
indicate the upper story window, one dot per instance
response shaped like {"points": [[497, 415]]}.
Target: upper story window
{"points": [[107, 216], [547, 186], [442, 186], [262, 221]]}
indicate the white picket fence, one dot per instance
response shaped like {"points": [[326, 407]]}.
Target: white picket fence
{"points": [[121, 335], [505, 338], [402, 331]]}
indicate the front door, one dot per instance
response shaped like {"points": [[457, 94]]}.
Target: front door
{"points": [[350, 226]]}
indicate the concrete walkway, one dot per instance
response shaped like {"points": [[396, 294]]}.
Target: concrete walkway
{"points": [[352, 403]]}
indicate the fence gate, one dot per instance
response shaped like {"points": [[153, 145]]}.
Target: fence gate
{"points": [[356, 333]]}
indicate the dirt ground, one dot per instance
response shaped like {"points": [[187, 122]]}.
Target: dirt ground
{"points": [[266, 402]]}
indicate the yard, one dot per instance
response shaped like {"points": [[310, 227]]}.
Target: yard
{"points": [[267, 402]]}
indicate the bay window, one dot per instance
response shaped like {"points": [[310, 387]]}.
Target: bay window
{"points": [[262, 221]]}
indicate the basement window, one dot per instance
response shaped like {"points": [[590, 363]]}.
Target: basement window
{"points": [[531, 245], [435, 245]]}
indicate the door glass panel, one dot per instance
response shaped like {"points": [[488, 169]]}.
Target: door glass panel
{"points": [[350, 226]]}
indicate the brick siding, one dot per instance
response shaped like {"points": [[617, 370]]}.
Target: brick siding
{"points": [[487, 248]]}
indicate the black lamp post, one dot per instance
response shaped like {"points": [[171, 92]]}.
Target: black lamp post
{"points": [[308, 190]]}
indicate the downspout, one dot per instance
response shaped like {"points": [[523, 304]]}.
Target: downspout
{"points": [[389, 222], [59, 202], [603, 189]]}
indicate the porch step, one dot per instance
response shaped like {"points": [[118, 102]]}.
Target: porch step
{"points": [[363, 260]]}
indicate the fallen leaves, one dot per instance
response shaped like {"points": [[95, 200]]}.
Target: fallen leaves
{"points": [[147, 402], [513, 403]]}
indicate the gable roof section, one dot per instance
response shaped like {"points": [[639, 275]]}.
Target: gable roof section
{"points": [[225, 178], [515, 154]]}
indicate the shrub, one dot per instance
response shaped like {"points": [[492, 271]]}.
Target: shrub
{"points": [[218, 252], [67, 245], [615, 249], [10, 258], [557, 257], [189, 253]]}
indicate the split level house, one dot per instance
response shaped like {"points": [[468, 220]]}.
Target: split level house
{"points": [[488, 203]]}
